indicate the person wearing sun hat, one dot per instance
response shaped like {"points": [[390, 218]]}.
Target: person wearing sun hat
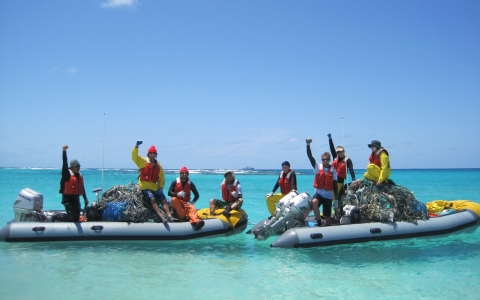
{"points": [[232, 196], [287, 181], [152, 180], [378, 170], [341, 163], [325, 184], [180, 190], [71, 187]]}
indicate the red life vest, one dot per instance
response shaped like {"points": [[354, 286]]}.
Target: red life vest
{"points": [[179, 187], [285, 183], [340, 167], [375, 158], [150, 173], [324, 180], [227, 194], [75, 185]]}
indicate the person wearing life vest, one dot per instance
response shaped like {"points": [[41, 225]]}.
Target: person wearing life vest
{"points": [[378, 170], [287, 181], [152, 181], [325, 182], [71, 187], [180, 190], [232, 197], [341, 163]]}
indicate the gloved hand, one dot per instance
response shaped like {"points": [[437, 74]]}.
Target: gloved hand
{"points": [[181, 194], [234, 194], [139, 143], [308, 140], [269, 195], [192, 202], [329, 135]]}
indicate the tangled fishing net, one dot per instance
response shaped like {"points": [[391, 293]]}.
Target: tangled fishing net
{"points": [[124, 203], [384, 203]]}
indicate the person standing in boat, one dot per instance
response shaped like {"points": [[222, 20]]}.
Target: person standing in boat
{"points": [[341, 163], [287, 181], [325, 182], [180, 191], [378, 170], [152, 180], [232, 197], [71, 187]]}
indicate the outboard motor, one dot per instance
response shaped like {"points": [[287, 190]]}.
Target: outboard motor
{"points": [[27, 204], [282, 205], [297, 210]]}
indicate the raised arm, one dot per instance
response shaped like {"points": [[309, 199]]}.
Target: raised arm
{"points": [[332, 147], [309, 154]]}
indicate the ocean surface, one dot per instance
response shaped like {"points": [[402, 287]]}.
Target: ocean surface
{"points": [[239, 267]]}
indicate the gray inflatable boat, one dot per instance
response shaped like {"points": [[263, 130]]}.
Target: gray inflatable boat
{"points": [[26, 226], [313, 236]]}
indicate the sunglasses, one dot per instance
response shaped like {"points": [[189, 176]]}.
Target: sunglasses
{"points": [[325, 159], [183, 173]]}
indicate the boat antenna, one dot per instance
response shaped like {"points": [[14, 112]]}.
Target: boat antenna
{"points": [[103, 150], [346, 164]]}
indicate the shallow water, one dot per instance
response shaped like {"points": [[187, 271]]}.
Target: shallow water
{"points": [[239, 267]]}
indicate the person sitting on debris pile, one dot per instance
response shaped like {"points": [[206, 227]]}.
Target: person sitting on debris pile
{"points": [[378, 170]]}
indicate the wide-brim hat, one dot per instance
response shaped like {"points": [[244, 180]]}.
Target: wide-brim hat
{"points": [[375, 144]]}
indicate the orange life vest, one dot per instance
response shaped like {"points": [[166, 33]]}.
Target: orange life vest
{"points": [[227, 194], [340, 167], [179, 187], [324, 180], [150, 173], [375, 158], [285, 183], [74, 186]]}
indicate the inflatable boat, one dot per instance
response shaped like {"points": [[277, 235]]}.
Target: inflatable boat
{"points": [[313, 236], [295, 228], [31, 224]]}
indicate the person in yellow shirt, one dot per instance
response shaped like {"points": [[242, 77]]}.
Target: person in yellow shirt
{"points": [[152, 180], [378, 170]]}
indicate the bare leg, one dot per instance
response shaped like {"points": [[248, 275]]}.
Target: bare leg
{"points": [[328, 221], [212, 207], [156, 208], [166, 208], [315, 208]]}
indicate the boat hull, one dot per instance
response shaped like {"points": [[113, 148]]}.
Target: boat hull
{"points": [[304, 237], [101, 230]]}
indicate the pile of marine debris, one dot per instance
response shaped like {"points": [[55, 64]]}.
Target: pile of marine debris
{"points": [[383, 203]]}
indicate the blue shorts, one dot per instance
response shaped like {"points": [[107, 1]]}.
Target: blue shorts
{"points": [[158, 194]]}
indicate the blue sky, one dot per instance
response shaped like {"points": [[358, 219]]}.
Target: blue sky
{"points": [[229, 84]]}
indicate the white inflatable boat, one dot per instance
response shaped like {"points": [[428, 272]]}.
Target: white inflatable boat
{"points": [[26, 226]]}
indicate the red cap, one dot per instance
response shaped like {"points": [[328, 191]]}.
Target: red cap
{"points": [[184, 169], [152, 149]]}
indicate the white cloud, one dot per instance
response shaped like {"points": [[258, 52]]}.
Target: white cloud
{"points": [[117, 3], [72, 71]]}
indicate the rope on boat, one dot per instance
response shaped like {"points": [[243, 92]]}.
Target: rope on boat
{"points": [[384, 203]]}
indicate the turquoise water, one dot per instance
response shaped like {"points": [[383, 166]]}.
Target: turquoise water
{"points": [[239, 267]]}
